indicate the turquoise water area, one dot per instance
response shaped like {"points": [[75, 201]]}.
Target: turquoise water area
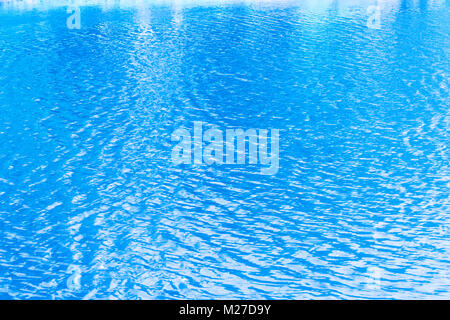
{"points": [[91, 205]]}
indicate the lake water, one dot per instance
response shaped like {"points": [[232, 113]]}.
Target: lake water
{"points": [[91, 205]]}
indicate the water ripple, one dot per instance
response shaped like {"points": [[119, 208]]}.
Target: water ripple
{"points": [[92, 207]]}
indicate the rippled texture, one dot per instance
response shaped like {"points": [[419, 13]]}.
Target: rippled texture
{"points": [[92, 207]]}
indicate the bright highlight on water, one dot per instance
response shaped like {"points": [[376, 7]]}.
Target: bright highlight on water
{"points": [[224, 149]]}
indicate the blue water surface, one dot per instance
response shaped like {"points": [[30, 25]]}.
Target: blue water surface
{"points": [[91, 205]]}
